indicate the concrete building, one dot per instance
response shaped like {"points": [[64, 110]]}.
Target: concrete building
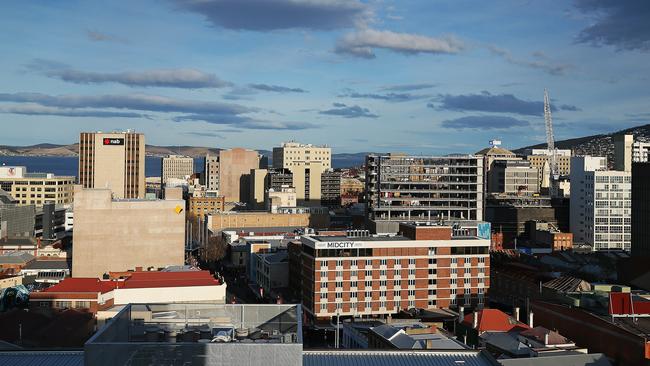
{"points": [[600, 209], [640, 151], [211, 172], [623, 152], [113, 161], [16, 221], [258, 185], [307, 163], [429, 266], [291, 154], [256, 219], [176, 166], [330, 189], [547, 235], [272, 274], [640, 245], [284, 197], [235, 166], [513, 177], [538, 157], [35, 188], [427, 188], [120, 235]]}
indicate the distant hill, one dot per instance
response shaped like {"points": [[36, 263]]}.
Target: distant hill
{"points": [[595, 145], [338, 160]]}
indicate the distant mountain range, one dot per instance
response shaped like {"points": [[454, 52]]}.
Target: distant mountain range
{"points": [[338, 160], [595, 145]]}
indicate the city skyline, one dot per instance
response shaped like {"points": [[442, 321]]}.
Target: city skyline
{"points": [[412, 76]]}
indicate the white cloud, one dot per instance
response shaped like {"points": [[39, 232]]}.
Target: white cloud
{"points": [[363, 42]]}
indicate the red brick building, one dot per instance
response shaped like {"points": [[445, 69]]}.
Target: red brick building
{"points": [[428, 266]]}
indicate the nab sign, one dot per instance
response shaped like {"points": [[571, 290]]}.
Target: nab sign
{"points": [[109, 141]]}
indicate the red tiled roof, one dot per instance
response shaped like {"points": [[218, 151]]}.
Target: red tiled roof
{"points": [[494, 320], [539, 333], [622, 303], [136, 280], [80, 284]]}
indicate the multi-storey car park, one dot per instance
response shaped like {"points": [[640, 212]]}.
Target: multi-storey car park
{"points": [[431, 265], [407, 188]]}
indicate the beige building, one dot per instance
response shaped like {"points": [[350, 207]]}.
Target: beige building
{"points": [[120, 235], [258, 185], [352, 186], [113, 160], [200, 206], [285, 197], [234, 173], [563, 163], [514, 177], [211, 173], [176, 166], [306, 163], [233, 219], [35, 188]]}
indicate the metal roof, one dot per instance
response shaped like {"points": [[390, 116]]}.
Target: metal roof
{"points": [[40, 358], [594, 359], [16, 257], [397, 358], [49, 264]]}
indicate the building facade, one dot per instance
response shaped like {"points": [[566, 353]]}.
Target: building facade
{"points": [[623, 152], [640, 246], [514, 177], [211, 173], [35, 188], [427, 188], [176, 166], [200, 206], [114, 161], [640, 151], [291, 154], [430, 266], [234, 173], [120, 235], [600, 208]]}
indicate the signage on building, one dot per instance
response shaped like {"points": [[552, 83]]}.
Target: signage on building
{"points": [[113, 141], [338, 245]]}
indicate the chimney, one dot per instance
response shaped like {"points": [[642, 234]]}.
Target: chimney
{"points": [[475, 320], [517, 313], [530, 320], [461, 314], [546, 338]]}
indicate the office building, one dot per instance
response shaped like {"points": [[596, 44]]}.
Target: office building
{"points": [[427, 188], [640, 151], [211, 172], [308, 165], [121, 235], [429, 266], [35, 188], [538, 157], [113, 161], [600, 209], [623, 152], [640, 246], [234, 169], [176, 166], [330, 188], [16, 221], [513, 177], [200, 206]]}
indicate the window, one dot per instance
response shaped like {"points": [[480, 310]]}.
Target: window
{"points": [[432, 251], [411, 292], [339, 273], [432, 292], [452, 292], [411, 282], [323, 273], [452, 281], [432, 261], [353, 273], [382, 283], [382, 304], [396, 294], [323, 307], [454, 271], [323, 285], [468, 291], [481, 260], [368, 273], [411, 303], [432, 281], [339, 283], [467, 281], [411, 261], [368, 283], [382, 272], [339, 263], [382, 293], [353, 295], [353, 262], [353, 284], [383, 262], [432, 271], [323, 295], [454, 260], [397, 283], [411, 272], [339, 295], [368, 294]]}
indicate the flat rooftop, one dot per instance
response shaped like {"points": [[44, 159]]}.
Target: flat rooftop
{"points": [[360, 238]]}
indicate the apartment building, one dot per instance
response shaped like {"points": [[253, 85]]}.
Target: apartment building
{"points": [[35, 188], [428, 266], [211, 172], [514, 177], [427, 188], [600, 206], [113, 160], [640, 151], [177, 167], [291, 154]]}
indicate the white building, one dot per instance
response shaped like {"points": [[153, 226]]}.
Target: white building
{"points": [[600, 209], [640, 151], [176, 166]]}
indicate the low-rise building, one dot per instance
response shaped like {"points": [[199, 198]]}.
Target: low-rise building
{"points": [[14, 262], [36, 188], [10, 281], [547, 235], [272, 274], [222, 220], [201, 206]]}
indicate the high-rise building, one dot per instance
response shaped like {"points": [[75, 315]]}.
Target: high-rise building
{"points": [[422, 188], [623, 152], [176, 166], [113, 160], [640, 151], [330, 188], [514, 177], [600, 206], [121, 235], [640, 210], [307, 163], [36, 188], [429, 266], [539, 157], [234, 173], [211, 172]]}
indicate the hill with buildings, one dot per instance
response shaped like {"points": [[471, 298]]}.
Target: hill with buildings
{"points": [[595, 145]]}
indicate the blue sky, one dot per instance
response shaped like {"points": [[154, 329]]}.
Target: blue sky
{"points": [[416, 76]]}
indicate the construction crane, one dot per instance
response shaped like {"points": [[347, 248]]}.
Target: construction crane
{"points": [[550, 142]]}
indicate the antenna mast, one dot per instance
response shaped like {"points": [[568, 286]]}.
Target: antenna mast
{"points": [[550, 139]]}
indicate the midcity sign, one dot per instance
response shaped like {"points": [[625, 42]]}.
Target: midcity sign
{"points": [[338, 245]]}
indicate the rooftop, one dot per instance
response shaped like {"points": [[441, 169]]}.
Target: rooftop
{"points": [[40, 358], [49, 264], [16, 258], [594, 359], [396, 358], [494, 320]]}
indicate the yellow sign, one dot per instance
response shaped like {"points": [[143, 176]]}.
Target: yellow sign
{"points": [[178, 209]]}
